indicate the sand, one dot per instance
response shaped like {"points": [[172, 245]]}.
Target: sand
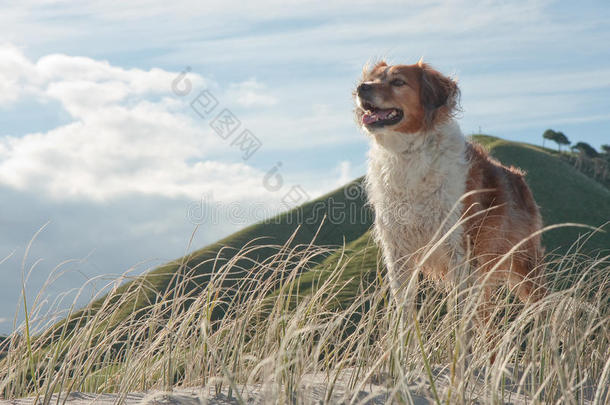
{"points": [[312, 390]]}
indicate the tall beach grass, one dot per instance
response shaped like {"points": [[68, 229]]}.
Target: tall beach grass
{"points": [[265, 330]]}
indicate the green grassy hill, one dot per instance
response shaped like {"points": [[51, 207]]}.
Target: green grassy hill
{"points": [[563, 193], [341, 218]]}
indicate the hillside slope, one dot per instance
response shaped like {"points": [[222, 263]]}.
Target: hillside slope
{"points": [[341, 218], [320, 220], [563, 193]]}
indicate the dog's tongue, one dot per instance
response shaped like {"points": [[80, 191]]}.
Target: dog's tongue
{"points": [[377, 115]]}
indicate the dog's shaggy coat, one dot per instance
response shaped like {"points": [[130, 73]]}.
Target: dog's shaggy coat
{"points": [[425, 181]]}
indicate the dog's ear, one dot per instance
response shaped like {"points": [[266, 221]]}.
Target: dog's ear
{"points": [[369, 67], [439, 96], [381, 63]]}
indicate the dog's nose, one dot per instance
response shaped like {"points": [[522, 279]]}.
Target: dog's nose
{"points": [[363, 88]]}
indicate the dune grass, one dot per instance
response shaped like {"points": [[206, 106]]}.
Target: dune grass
{"points": [[282, 323], [253, 309]]}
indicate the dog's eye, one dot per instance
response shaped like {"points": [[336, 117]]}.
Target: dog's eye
{"points": [[397, 82]]}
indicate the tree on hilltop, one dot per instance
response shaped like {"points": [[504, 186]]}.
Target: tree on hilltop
{"points": [[561, 139], [548, 134], [585, 148]]}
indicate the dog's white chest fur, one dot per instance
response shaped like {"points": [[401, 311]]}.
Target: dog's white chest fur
{"points": [[414, 182]]}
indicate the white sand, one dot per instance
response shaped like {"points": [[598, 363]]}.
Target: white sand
{"points": [[251, 395], [313, 390]]}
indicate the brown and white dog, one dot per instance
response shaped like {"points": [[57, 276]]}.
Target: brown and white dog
{"points": [[424, 177]]}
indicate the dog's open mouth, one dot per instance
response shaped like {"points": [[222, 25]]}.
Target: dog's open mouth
{"points": [[377, 117]]}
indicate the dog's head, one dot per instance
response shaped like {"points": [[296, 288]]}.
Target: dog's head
{"points": [[404, 98]]}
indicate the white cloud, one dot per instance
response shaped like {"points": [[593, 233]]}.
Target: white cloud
{"points": [[306, 125], [251, 93], [121, 140], [345, 173], [15, 70], [127, 122]]}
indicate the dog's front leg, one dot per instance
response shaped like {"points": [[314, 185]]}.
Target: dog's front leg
{"points": [[403, 277]]}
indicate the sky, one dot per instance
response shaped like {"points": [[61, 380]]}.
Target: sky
{"points": [[134, 132]]}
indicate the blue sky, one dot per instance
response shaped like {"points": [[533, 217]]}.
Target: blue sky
{"points": [[94, 140]]}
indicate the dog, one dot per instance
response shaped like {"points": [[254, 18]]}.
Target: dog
{"points": [[428, 186]]}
